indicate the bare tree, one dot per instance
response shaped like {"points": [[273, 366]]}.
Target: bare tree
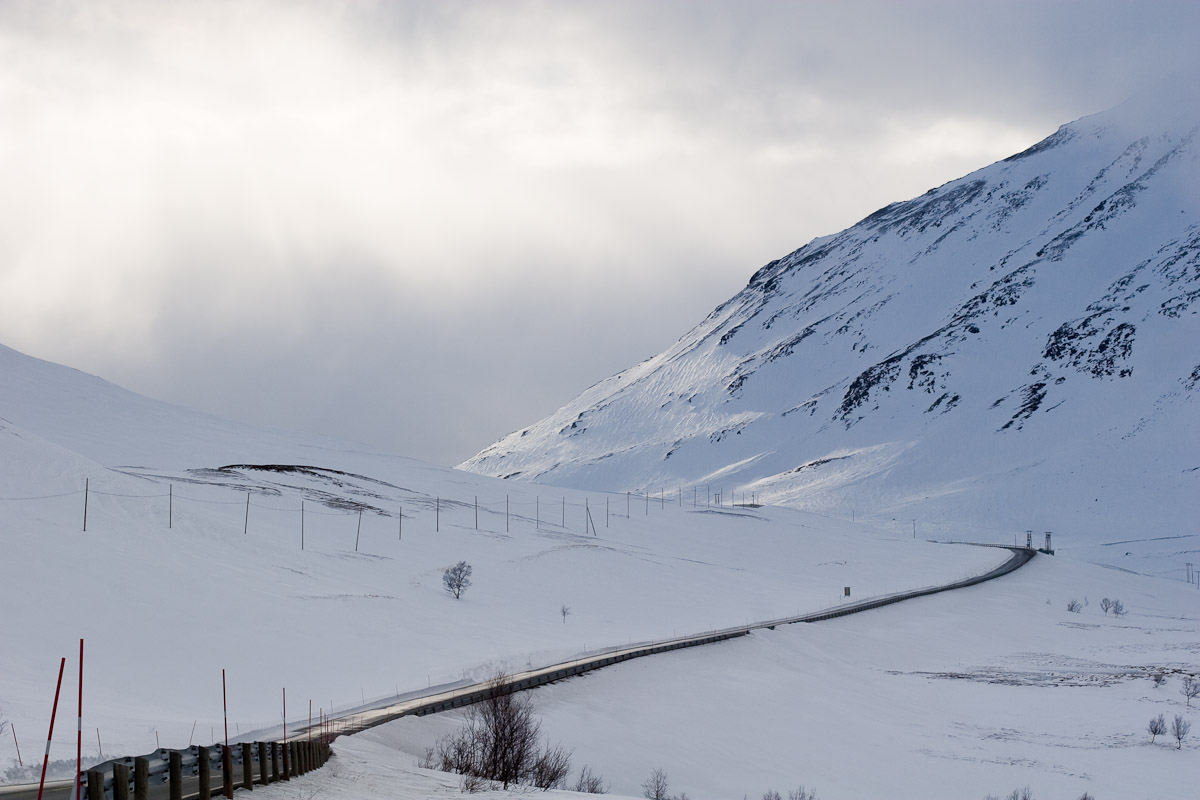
{"points": [[565, 611], [800, 793], [1073, 606], [1020, 794], [1105, 605], [655, 787], [1180, 728], [456, 579], [589, 783], [499, 742], [771, 794], [1158, 679], [1157, 727], [1189, 689], [550, 768], [1118, 608]]}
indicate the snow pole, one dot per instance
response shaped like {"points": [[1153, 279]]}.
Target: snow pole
{"points": [[246, 523], [225, 703], [170, 505], [85, 499], [79, 731], [101, 747], [358, 533], [50, 736], [17, 745], [189, 738]]}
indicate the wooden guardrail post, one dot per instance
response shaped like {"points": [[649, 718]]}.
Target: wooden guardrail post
{"points": [[141, 779], [247, 766], [275, 762], [95, 783], [227, 772], [175, 776], [205, 767], [263, 764], [120, 782], [286, 749]]}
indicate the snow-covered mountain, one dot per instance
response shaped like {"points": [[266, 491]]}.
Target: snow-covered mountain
{"points": [[1014, 349]]}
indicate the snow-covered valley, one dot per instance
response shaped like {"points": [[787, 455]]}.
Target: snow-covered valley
{"points": [[1010, 354]]}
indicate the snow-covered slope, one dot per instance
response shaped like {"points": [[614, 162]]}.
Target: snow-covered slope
{"points": [[192, 563], [1015, 349]]}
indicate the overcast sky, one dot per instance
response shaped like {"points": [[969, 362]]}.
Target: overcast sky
{"points": [[424, 225]]}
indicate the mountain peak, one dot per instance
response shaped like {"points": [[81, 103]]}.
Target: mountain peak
{"points": [[1009, 347]]}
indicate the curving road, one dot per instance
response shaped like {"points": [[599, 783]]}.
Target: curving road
{"points": [[467, 695]]}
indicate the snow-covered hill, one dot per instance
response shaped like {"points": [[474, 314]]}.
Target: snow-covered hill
{"points": [[192, 563], [1015, 349]]}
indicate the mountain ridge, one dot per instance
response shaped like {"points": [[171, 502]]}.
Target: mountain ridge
{"points": [[1025, 310]]}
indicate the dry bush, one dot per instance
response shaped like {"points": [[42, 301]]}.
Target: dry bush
{"points": [[589, 783], [500, 742]]}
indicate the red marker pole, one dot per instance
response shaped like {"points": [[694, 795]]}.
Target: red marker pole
{"points": [[50, 736], [79, 731]]}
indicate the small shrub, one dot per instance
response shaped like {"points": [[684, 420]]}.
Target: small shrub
{"points": [[589, 783], [1157, 727], [1158, 679], [1189, 689], [1118, 608], [655, 787], [800, 793], [1105, 605], [1180, 728], [1073, 606], [457, 579]]}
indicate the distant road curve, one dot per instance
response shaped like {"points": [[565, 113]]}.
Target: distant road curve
{"points": [[467, 695]]}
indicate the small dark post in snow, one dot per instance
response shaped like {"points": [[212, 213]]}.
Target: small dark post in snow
{"points": [[264, 778], [246, 523], [174, 776], [247, 766], [358, 533], [437, 519], [120, 787], [301, 524], [914, 529], [141, 779], [205, 773], [170, 505], [85, 499], [847, 591], [400, 536]]}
